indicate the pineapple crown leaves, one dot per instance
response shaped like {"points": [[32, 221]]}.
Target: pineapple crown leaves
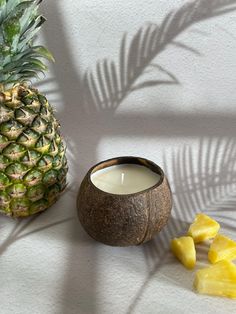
{"points": [[19, 57]]}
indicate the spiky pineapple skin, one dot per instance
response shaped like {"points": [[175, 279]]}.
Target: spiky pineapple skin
{"points": [[33, 164]]}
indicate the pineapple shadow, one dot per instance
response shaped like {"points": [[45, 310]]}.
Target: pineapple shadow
{"points": [[92, 102], [20, 230], [78, 284]]}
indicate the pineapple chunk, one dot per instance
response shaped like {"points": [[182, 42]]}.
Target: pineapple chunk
{"points": [[222, 247], [184, 249], [203, 228], [218, 279]]}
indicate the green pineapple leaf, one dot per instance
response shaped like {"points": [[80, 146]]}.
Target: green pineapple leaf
{"points": [[44, 52], [2, 3], [11, 29], [20, 59]]}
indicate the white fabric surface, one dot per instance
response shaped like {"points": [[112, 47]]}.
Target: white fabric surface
{"points": [[48, 264]]}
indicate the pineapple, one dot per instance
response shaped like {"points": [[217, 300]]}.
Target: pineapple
{"points": [[33, 165], [203, 228], [218, 279], [222, 247], [184, 249]]}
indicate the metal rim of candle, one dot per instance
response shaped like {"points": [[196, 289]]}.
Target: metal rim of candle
{"points": [[127, 160]]}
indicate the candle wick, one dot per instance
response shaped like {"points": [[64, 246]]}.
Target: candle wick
{"points": [[122, 178]]}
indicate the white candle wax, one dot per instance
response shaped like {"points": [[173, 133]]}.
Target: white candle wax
{"points": [[124, 179]]}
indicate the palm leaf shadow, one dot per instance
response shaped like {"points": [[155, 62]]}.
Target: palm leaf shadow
{"points": [[202, 179], [19, 230], [111, 83]]}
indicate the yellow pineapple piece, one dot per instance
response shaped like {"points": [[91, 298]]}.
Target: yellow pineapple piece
{"points": [[222, 247], [203, 228], [218, 279], [184, 249]]}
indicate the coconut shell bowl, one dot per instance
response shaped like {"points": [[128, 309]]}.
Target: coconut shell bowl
{"points": [[124, 219]]}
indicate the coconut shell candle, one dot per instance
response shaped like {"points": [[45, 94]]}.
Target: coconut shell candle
{"points": [[124, 201]]}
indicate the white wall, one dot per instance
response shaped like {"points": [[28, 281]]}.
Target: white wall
{"points": [[159, 122], [79, 33]]}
